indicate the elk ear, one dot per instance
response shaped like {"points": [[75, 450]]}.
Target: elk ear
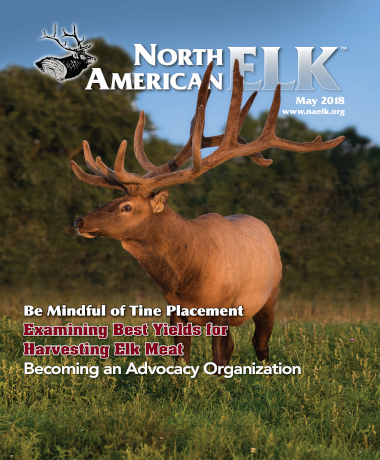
{"points": [[158, 200]]}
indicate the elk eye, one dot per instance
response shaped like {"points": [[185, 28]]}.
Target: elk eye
{"points": [[127, 208]]}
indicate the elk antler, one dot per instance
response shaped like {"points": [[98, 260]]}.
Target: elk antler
{"points": [[230, 145], [74, 35], [181, 158], [79, 42]]}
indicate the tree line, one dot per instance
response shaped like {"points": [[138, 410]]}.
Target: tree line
{"points": [[322, 207]]}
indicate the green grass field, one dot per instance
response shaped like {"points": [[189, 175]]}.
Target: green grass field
{"points": [[330, 411]]}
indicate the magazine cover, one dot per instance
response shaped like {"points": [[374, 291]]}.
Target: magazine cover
{"points": [[189, 230]]}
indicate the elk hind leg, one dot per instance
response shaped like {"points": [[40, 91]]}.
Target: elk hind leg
{"points": [[264, 320]]}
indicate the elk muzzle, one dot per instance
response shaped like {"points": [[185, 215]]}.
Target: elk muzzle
{"points": [[78, 223]]}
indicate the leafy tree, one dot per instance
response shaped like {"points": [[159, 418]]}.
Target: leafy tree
{"points": [[322, 207], [43, 123]]}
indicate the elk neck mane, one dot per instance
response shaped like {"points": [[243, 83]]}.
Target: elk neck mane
{"points": [[168, 247]]}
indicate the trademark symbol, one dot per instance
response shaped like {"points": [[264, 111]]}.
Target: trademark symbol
{"points": [[343, 48]]}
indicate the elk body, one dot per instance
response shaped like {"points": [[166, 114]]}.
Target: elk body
{"points": [[68, 66], [208, 262]]}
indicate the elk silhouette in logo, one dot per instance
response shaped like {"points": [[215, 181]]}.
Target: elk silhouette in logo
{"points": [[211, 261], [68, 66]]}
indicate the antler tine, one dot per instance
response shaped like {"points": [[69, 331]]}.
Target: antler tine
{"points": [[94, 180], [230, 136], [122, 175], [244, 113], [196, 167], [270, 124], [91, 164], [256, 157], [54, 35], [203, 96], [304, 147], [106, 170], [204, 91], [139, 148], [246, 109]]}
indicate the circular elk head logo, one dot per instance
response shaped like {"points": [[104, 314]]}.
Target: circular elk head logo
{"points": [[68, 66]]}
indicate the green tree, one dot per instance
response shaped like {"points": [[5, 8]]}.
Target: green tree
{"points": [[322, 207], [42, 125]]}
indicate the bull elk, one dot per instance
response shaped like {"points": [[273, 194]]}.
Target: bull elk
{"points": [[211, 261], [68, 66]]}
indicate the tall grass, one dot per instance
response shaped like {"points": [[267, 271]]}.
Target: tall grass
{"points": [[329, 411]]}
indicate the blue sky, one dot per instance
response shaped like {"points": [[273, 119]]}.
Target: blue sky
{"points": [[220, 24]]}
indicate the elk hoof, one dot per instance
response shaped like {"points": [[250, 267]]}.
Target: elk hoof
{"points": [[262, 354]]}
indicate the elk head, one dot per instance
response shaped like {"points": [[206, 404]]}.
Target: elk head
{"points": [[130, 217], [141, 208], [68, 66]]}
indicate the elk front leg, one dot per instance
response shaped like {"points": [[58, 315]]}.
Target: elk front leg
{"points": [[186, 340], [222, 348], [264, 320]]}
